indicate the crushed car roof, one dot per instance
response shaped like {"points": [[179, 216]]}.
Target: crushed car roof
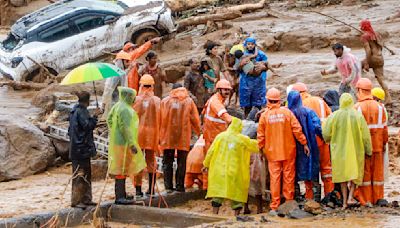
{"points": [[61, 8]]}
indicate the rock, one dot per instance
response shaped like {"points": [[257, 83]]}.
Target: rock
{"points": [[270, 43], [349, 2], [174, 73], [299, 214], [343, 29], [62, 149], [287, 207], [24, 149], [313, 207], [395, 204], [18, 3], [99, 169], [382, 203]]}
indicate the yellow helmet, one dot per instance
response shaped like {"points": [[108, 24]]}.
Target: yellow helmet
{"points": [[378, 93], [147, 79]]}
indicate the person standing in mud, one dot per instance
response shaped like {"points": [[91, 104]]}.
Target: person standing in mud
{"points": [[347, 65], [347, 132], [216, 117], [81, 149], [194, 83], [252, 89], [147, 106], [154, 69], [216, 62], [373, 46], [371, 189], [179, 118]]}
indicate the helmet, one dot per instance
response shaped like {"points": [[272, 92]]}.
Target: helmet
{"points": [[223, 84], [273, 94], [300, 87], [123, 55], [378, 93], [364, 83], [147, 79]]}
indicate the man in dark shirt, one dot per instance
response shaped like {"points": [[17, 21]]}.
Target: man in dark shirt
{"points": [[82, 148]]}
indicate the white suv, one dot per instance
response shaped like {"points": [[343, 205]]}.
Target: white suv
{"points": [[70, 32]]}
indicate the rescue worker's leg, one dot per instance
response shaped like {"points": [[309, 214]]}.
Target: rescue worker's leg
{"points": [[364, 191], [151, 169], [237, 207], [377, 177], [205, 174], [138, 184], [181, 171], [309, 190], [216, 203], [326, 168], [168, 161], [379, 76], [87, 190], [289, 173], [189, 179], [343, 187], [275, 172], [120, 191]]}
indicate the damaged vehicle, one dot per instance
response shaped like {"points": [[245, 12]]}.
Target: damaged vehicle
{"points": [[70, 32]]}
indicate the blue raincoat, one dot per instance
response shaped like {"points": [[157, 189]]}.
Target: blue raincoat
{"points": [[307, 168], [252, 90]]}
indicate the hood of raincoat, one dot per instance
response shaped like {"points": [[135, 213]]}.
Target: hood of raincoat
{"points": [[127, 95], [363, 95], [346, 101], [249, 40], [180, 93], [236, 126], [307, 167], [331, 98]]}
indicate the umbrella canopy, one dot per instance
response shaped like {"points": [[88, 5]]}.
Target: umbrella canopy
{"points": [[90, 72]]}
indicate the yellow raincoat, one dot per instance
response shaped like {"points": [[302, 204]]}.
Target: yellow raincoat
{"points": [[123, 124], [228, 160], [349, 138]]}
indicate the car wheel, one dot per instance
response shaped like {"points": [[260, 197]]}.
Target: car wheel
{"points": [[144, 36]]}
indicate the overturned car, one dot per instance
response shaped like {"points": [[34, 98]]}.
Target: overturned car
{"points": [[70, 32]]}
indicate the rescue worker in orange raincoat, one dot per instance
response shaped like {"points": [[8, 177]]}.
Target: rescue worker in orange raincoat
{"points": [[276, 133], [147, 106], [322, 109], [371, 189], [179, 117], [216, 117]]}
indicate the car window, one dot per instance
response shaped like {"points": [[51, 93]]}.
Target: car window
{"points": [[89, 22], [56, 33]]}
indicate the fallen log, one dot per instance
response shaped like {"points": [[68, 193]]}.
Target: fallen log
{"points": [[229, 15], [182, 5], [24, 85], [247, 7]]}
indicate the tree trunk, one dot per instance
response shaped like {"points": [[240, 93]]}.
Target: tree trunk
{"points": [[182, 5], [213, 17]]}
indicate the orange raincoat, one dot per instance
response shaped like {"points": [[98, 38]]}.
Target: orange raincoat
{"points": [[216, 118], [179, 116], [371, 189], [319, 106], [133, 75], [276, 133]]}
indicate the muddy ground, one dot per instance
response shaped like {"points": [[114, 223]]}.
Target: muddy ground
{"points": [[299, 40]]}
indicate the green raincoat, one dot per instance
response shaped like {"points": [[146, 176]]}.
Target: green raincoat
{"points": [[228, 160], [123, 124], [347, 132]]}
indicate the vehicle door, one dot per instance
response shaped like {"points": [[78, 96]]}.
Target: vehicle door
{"points": [[54, 46], [94, 34]]}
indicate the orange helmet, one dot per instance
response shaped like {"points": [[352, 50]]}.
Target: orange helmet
{"points": [[273, 94], [300, 87], [364, 83], [123, 55], [147, 79], [223, 84]]}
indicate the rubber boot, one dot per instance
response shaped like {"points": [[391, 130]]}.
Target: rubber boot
{"points": [[151, 184], [317, 191], [139, 192], [120, 193], [297, 194]]}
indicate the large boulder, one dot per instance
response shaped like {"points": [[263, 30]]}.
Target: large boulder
{"points": [[24, 149], [287, 208]]}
